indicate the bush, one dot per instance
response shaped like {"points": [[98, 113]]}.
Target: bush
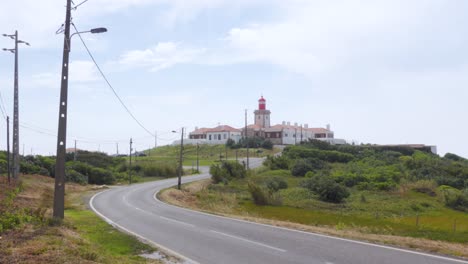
{"points": [[226, 171], [259, 196], [100, 176], [327, 189], [161, 170], [267, 144], [301, 167], [424, 186], [454, 198], [276, 183], [276, 163], [74, 176]]}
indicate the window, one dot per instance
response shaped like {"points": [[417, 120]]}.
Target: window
{"points": [[209, 137], [286, 135], [219, 136], [258, 117], [224, 136]]}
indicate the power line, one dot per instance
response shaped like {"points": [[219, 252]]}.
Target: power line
{"points": [[108, 83]]}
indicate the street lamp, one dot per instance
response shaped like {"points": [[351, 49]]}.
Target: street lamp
{"points": [[59, 190], [16, 159], [179, 173]]}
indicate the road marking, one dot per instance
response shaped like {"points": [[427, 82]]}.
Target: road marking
{"points": [[144, 239], [176, 221], [248, 240], [315, 234]]}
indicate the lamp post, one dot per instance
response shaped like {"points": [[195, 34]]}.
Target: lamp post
{"points": [[179, 173], [16, 165], [59, 190]]}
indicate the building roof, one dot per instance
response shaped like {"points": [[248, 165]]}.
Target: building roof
{"points": [[200, 131], [223, 128], [254, 127], [280, 127], [261, 99]]}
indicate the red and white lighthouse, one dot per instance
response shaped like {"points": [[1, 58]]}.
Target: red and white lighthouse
{"points": [[261, 103], [262, 115]]}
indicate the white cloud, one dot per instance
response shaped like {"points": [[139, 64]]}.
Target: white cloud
{"points": [[161, 56]]}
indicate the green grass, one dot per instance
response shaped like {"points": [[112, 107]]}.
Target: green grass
{"points": [[107, 244], [207, 154], [378, 212]]}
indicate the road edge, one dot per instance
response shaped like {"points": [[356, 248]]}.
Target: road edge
{"points": [[142, 238]]}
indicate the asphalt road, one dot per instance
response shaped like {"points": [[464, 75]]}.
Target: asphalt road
{"points": [[204, 238]]}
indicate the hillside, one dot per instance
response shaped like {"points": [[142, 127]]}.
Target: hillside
{"points": [[397, 192]]}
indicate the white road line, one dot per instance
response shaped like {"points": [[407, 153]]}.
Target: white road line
{"points": [[176, 221], [248, 240], [315, 234], [144, 239]]}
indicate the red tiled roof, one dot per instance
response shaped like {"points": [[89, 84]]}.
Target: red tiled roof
{"points": [[223, 128], [200, 131]]}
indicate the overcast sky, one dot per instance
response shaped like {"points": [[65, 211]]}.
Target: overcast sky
{"points": [[389, 72]]}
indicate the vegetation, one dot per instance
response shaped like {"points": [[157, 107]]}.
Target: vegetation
{"points": [[29, 235], [380, 190]]}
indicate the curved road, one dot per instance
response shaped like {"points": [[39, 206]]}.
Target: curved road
{"points": [[203, 238]]}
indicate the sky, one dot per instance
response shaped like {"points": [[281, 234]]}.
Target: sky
{"points": [[377, 71]]}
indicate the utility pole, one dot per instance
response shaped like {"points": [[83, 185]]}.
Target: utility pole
{"points": [[198, 160], [74, 154], [295, 136], [16, 158], [301, 132], [59, 193], [23, 150], [246, 139], [130, 166], [179, 181], [8, 148], [117, 145]]}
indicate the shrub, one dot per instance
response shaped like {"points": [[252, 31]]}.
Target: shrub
{"points": [[454, 198], [301, 167], [162, 170], [74, 176], [276, 183], [100, 176], [276, 162], [424, 186], [267, 144], [327, 189], [259, 195], [226, 171]]}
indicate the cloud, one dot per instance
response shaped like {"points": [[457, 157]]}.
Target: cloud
{"points": [[162, 56]]}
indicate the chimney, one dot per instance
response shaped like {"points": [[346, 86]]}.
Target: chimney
{"points": [[295, 124], [196, 128], [328, 127], [284, 123], [289, 123], [306, 125]]}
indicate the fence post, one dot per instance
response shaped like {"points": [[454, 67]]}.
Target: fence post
{"points": [[417, 219]]}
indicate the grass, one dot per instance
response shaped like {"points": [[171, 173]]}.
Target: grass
{"points": [[207, 154], [81, 238], [407, 218]]}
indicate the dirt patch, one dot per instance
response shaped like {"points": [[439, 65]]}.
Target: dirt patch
{"points": [[188, 198]]}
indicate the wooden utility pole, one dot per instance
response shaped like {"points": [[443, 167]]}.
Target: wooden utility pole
{"points": [[59, 190], [198, 160], [74, 156], [179, 180], [130, 161], [246, 139], [8, 148]]}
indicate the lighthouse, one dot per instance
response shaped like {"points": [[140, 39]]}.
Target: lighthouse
{"points": [[262, 115]]}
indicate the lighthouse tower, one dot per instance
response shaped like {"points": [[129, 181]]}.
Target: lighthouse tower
{"points": [[262, 115]]}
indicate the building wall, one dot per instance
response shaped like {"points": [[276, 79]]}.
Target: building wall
{"points": [[222, 137], [262, 118]]}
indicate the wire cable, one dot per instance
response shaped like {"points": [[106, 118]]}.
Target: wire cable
{"points": [[108, 83]]}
